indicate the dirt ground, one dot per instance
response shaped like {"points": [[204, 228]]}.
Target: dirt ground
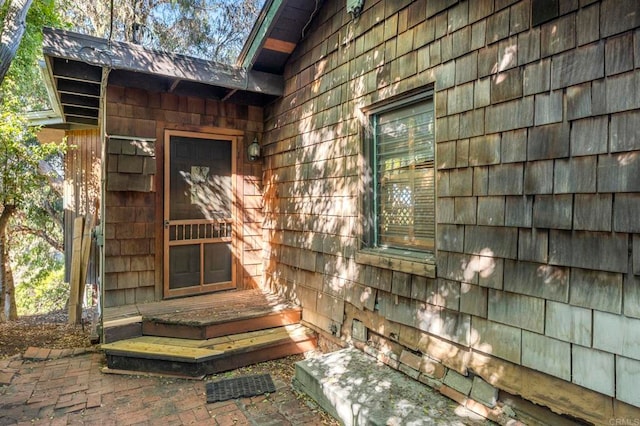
{"points": [[45, 331]]}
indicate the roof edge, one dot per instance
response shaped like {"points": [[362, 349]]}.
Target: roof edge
{"points": [[100, 52], [268, 14], [52, 115]]}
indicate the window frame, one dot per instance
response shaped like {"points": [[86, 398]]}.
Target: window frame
{"points": [[370, 231]]}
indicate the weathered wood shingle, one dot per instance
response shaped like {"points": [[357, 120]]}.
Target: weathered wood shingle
{"points": [[491, 240], [548, 142], [596, 290], [533, 245], [497, 339], [484, 150], [618, 17], [575, 175], [592, 212], [516, 310], [539, 280], [538, 177], [589, 250], [568, 323], [577, 66], [537, 169], [624, 131], [558, 36], [546, 354], [589, 136]]}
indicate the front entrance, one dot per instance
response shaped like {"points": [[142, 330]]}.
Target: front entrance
{"points": [[198, 213]]}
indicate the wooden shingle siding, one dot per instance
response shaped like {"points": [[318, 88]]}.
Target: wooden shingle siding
{"points": [[133, 231], [568, 323], [536, 129]]}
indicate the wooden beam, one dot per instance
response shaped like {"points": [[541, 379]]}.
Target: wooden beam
{"points": [[228, 95], [80, 112], [76, 70], [86, 251], [266, 20], [129, 57], [397, 263], [122, 321], [174, 84], [81, 120], [74, 280], [279, 45], [78, 87], [79, 101]]}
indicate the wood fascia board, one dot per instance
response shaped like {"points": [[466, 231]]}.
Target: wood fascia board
{"points": [[259, 33], [54, 115], [125, 56], [279, 45]]}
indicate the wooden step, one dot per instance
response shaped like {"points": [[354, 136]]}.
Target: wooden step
{"points": [[207, 356], [200, 317], [207, 324]]}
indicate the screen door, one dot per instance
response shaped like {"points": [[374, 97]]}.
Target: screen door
{"points": [[198, 213]]}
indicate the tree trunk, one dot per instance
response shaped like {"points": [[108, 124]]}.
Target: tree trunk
{"points": [[7, 289], [13, 29], [11, 289]]}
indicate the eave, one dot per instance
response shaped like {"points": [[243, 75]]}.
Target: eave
{"points": [[76, 64], [277, 31]]}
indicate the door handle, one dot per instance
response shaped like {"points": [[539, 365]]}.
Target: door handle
{"points": [[166, 224]]}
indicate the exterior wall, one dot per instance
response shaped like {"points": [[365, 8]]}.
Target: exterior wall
{"points": [[133, 231], [82, 175], [537, 287]]}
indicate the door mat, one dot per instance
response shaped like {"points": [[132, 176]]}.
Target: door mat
{"points": [[239, 387]]}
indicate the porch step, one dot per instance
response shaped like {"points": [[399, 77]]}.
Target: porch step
{"points": [[207, 356], [201, 317], [211, 323]]}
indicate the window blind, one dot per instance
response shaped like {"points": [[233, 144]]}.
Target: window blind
{"points": [[405, 174]]}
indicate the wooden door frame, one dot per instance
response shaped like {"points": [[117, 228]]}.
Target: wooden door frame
{"points": [[210, 134]]}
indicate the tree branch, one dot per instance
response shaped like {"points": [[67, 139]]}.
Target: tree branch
{"points": [[41, 234], [55, 179], [12, 31]]}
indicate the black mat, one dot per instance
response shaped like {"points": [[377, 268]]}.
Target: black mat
{"points": [[239, 387]]}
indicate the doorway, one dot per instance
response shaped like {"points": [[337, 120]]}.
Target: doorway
{"points": [[199, 212]]}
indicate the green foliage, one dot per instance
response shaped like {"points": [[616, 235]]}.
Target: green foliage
{"points": [[45, 293], [20, 154], [39, 272], [36, 263], [24, 74]]}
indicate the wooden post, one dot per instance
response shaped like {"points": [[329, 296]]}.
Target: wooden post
{"points": [[84, 264], [75, 308]]}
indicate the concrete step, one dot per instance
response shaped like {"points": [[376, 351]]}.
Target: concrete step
{"points": [[356, 389], [194, 358]]}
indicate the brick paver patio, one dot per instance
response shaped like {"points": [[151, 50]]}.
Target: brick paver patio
{"points": [[62, 388]]}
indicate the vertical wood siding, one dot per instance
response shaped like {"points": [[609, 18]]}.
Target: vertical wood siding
{"points": [[82, 174]]}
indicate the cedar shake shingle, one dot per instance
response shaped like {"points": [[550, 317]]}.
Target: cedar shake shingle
{"points": [[516, 310], [538, 280]]}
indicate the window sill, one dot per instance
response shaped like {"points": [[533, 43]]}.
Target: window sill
{"points": [[423, 264]]}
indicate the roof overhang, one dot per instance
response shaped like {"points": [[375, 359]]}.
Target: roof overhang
{"points": [[276, 33], [80, 65]]}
